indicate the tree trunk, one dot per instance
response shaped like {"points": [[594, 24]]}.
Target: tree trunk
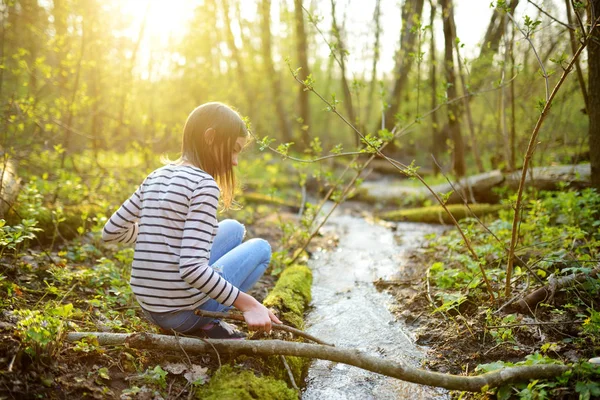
{"points": [[411, 13], [271, 73], [458, 159], [301, 51], [491, 44], [373, 81], [474, 144], [241, 73], [436, 142], [341, 50], [594, 96], [574, 46]]}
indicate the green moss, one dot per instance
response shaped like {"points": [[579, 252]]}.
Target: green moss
{"points": [[228, 384], [436, 214], [291, 294]]}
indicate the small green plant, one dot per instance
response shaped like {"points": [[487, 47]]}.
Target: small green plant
{"points": [[41, 331]]}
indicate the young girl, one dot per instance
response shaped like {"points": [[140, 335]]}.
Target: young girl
{"points": [[184, 259]]}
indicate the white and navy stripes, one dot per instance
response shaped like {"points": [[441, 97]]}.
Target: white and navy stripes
{"points": [[171, 218]]}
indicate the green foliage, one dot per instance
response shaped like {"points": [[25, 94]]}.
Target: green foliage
{"points": [[156, 376], [40, 331], [584, 374], [13, 238]]}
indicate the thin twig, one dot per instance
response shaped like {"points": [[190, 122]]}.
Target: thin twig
{"points": [[526, 36], [289, 371], [213, 347], [281, 327], [568, 26], [579, 321], [176, 334]]}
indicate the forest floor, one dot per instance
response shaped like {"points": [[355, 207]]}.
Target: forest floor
{"points": [[460, 341], [84, 282], [84, 278]]}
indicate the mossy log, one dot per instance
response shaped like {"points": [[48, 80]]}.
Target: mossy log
{"points": [[9, 187], [437, 214], [290, 296], [260, 198]]}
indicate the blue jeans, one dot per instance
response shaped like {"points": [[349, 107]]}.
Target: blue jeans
{"points": [[242, 264]]}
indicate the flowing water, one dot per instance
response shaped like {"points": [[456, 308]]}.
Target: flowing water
{"points": [[349, 312]]}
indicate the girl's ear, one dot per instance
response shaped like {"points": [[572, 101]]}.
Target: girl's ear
{"points": [[209, 136]]}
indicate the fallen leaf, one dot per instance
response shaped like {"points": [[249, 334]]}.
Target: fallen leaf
{"points": [[196, 374], [175, 368]]}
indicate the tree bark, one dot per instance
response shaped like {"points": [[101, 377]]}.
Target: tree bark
{"points": [[491, 43], [237, 57], [594, 95], [436, 142], [528, 304], [373, 81], [301, 51], [341, 50], [463, 81], [458, 158], [573, 42], [346, 356], [411, 11], [271, 73]]}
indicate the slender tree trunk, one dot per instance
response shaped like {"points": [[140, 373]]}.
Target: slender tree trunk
{"points": [[503, 125], [436, 144], [373, 81], [301, 51], [594, 95], [466, 103], [574, 46], [491, 43], [74, 90], [270, 72], [458, 161], [237, 57], [513, 118], [341, 50], [411, 14]]}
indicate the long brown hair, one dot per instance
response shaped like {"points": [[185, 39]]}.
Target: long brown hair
{"points": [[214, 157]]}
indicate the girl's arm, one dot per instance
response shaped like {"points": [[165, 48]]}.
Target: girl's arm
{"points": [[122, 226]]}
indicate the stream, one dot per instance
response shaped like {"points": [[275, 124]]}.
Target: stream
{"points": [[347, 309]]}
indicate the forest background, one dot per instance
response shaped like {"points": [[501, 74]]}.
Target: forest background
{"points": [[94, 93]]}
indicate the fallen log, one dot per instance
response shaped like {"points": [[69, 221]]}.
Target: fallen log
{"points": [[528, 304], [346, 356]]}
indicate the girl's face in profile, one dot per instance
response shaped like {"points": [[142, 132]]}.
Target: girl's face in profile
{"points": [[237, 148]]}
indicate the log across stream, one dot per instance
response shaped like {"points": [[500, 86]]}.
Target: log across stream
{"points": [[348, 310]]}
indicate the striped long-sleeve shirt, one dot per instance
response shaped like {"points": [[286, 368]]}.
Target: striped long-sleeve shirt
{"points": [[171, 218]]}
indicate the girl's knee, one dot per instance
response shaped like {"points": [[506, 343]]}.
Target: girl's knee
{"points": [[262, 247], [231, 227]]}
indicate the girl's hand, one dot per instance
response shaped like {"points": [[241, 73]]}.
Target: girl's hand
{"points": [[257, 316]]}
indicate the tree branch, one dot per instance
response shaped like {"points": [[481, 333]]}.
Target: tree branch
{"points": [[346, 356], [281, 327]]}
